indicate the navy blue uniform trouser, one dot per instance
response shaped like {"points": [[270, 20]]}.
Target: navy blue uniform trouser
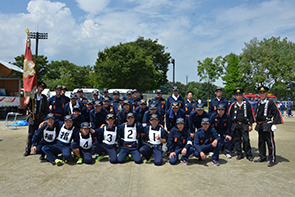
{"points": [[147, 152], [206, 148], [110, 150], [124, 151], [225, 144], [178, 150], [85, 153], [52, 151]]}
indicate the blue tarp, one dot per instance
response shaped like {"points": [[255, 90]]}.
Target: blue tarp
{"points": [[19, 123]]}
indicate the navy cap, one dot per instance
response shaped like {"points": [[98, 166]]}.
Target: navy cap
{"points": [[126, 102], [69, 117], [73, 95], [154, 116], [221, 106], [57, 87], [152, 106], [76, 108], [218, 88], [105, 90], [63, 87], [130, 114], [238, 90], [200, 107], [142, 101], [110, 116], [80, 90], [159, 91], [175, 88], [85, 125], [121, 98], [281, 99], [106, 99], [289, 98], [179, 120], [50, 115], [129, 92], [116, 92], [134, 90], [263, 89], [42, 84], [175, 105], [89, 102], [94, 92], [97, 103], [205, 121]]}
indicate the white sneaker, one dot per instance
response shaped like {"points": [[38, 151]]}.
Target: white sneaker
{"points": [[210, 154], [228, 155]]}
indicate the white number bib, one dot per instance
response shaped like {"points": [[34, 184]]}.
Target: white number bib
{"points": [[65, 135], [85, 143], [152, 136], [49, 136], [130, 133], [109, 136]]}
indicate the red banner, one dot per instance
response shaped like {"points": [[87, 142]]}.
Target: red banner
{"points": [[29, 74]]}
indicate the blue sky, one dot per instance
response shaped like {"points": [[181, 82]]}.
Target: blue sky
{"points": [[191, 30]]}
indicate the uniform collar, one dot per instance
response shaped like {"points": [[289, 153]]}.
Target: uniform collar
{"points": [[174, 97]]}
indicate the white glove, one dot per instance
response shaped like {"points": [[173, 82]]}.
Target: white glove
{"points": [[273, 127]]}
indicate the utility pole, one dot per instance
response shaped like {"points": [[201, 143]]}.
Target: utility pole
{"points": [[37, 36], [173, 62]]}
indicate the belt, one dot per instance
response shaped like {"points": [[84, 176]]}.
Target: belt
{"points": [[240, 123], [57, 114], [130, 146], [261, 122]]}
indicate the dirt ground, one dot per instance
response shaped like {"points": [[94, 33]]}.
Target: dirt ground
{"points": [[28, 176]]}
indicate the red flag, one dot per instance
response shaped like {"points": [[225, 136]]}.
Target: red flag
{"points": [[29, 74]]}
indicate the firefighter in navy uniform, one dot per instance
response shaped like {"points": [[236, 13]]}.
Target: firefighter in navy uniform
{"points": [[175, 97], [105, 94], [160, 103], [57, 104], [242, 117], [135, 100], [140, 110], [86, 110], [95, 96], [81, 99], [40, 112], [267, 117], [216, 101], [189, 104], [63, 92]]}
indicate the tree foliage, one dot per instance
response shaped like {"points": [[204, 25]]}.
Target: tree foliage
{"points": [[142, 64], [209, 70]]}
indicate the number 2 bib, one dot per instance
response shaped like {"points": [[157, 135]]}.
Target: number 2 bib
{"points": [[130, 133]]}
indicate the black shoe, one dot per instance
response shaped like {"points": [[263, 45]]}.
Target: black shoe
{"points": [[271, 164], [26, 153], [42, 157], [260, 160], [250, 158], [240, 157]]}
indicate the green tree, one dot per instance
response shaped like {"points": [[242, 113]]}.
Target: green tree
{"points": [[269, 62], [210, 69], [142, 64], [232, 75]]}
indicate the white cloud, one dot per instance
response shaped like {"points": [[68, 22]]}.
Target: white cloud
{"points": [[93, 7]]}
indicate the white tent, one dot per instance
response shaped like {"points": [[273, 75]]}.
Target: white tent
{"points": [[7, 69]]}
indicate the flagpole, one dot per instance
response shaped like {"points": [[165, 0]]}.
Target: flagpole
{"points": [[30, 96]]}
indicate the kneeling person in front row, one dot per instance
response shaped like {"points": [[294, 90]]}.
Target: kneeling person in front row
{"points": [[129, 134], [82, 144], [63, 141], [207, 140], [177, 142], [108, 134], [47, 133], [156, 136]]}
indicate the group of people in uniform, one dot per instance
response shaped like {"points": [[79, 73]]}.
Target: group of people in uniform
{"points": [[289, 107], [122, 127]]}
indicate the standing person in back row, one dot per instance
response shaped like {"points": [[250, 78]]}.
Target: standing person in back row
{"points": [[216, 101], [40, 112], [267, 117], [174, 98]]}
